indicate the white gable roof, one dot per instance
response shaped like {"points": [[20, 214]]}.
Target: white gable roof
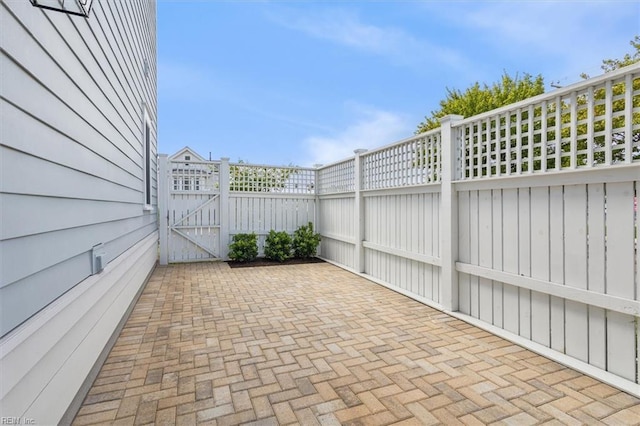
{"points": [[187, 151]]}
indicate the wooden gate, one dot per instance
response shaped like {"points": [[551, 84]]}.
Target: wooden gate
{"points": [[193, 210]]}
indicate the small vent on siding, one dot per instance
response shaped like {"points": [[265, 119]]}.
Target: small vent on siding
{"points": [[98, 259]]}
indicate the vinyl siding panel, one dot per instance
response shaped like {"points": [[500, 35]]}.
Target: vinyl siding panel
{"points": [[66, 265], [73, 98]]}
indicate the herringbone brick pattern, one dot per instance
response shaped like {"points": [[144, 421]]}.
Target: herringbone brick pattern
{"points": [[314, 344]]}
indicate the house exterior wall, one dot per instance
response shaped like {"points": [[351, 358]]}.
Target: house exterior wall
{"points": [[77, 100]]}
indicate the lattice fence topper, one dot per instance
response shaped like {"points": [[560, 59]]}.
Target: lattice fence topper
{"points": [[337, 178], [256, 178], [578, 127], [415, 161], [195, 176]]}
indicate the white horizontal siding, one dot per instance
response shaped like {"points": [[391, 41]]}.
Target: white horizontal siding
{"points": [[45, 362], [72, 95], [18, 178], [65, 270], [27, 255], [21, 135], [81, 125]]}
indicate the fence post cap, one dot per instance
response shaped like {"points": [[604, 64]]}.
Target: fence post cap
{"points": [[451, 117]]}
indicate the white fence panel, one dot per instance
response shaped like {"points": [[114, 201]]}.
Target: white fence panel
{"points": [[621, 233], [511, 296], [562, 243], [485, 231], [336, 213], [540, 258], [401, 240], [575, 271], [556, 264], [264, 198], [577, 236], [464, 252], [260, 213], [498, 238], [338, 229], [596, 272]]}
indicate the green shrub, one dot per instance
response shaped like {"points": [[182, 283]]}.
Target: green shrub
{"points": [[305, 242], [277, 246], [244, 247]]}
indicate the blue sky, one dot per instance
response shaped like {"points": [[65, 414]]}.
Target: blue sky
{"points": [[307, 82]]}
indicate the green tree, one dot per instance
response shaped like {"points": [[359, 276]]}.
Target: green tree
{"points": [[482, 98]]}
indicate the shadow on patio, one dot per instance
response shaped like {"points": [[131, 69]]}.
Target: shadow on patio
{"points": [[314, 344]]}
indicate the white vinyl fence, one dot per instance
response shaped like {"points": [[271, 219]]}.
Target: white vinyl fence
{"points": [[262, 198], [522, 220], [206, 203]]}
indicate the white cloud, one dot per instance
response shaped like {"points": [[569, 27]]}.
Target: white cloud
{"points": [[373, 128], [344, 28]]}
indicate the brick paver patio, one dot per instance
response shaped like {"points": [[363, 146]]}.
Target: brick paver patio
{"points": [[314, 344]]}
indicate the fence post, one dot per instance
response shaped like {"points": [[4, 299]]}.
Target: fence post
{"points": [[359, 212], [163, 207], [316, 207], [224, 207], [449, 213]]}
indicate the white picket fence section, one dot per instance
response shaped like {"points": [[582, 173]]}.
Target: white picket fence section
{"points": [[522, 220]]}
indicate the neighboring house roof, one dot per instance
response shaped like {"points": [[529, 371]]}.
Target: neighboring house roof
{"points": [[187, 151]]}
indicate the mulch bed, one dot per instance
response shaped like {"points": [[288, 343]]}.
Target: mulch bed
{"points": [[261, 261]]}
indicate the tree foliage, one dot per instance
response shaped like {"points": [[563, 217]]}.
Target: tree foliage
{"points": [[618, 105], [244, 177], [609, 65], [559, 116], [482, 98]]}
